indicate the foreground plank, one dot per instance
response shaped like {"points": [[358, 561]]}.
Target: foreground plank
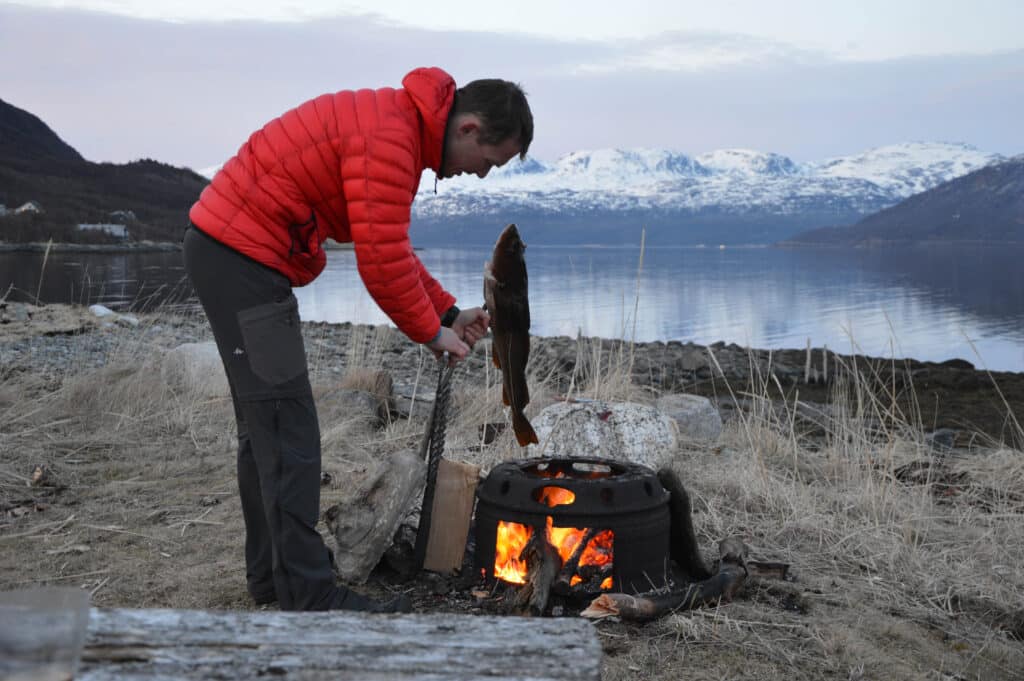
{"points": [[128, 644]]}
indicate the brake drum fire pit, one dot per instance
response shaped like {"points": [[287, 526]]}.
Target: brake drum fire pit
{"points": [[608, 521]]}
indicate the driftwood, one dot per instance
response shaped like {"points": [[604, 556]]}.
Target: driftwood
{"points": [[764, 570], [683, 541], [196, 644], [364, 522], [542, 566], [721, 587]]}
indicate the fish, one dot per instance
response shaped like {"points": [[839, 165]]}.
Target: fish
{"points": [[505, 295]]}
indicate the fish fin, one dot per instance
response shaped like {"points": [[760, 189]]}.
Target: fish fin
{"points": [[525, 434]]}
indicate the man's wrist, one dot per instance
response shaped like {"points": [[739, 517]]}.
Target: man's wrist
{"points": [[450, 316]]}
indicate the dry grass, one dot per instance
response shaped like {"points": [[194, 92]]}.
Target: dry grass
{"points": [[897, 575]]}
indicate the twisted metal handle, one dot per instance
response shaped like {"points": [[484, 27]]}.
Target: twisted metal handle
{"points": [[432, 448]]}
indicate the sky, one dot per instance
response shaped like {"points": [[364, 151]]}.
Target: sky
{"points": [[186, 81]]}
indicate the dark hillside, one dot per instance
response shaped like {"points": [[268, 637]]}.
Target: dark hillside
{"points": [[36, 165], [984, 206]]}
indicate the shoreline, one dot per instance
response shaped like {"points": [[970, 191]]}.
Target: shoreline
{"points": [[85, 321], [69, 247], [53, 340], [129, 247]]}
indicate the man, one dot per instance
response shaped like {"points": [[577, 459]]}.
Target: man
{"points": [[346, 166]]}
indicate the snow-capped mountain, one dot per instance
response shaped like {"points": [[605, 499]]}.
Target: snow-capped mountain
{"points": [[724, 196]]}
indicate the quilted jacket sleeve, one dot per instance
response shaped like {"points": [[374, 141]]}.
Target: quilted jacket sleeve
{"points": [[379, 174], [441, 299]]}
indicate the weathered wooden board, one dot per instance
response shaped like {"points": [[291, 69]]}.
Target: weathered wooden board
{"points": [[126, 645]]}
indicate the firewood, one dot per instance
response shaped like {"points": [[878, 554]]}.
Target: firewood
{"points": [[542, 566], [721, 587], [563, 583], [765, 570], [683, 541]]}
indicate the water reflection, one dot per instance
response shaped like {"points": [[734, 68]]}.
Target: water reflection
{"points": [[927, 303]]}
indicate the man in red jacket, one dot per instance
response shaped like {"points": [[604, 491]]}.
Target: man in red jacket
{"points": [[345, 166]]}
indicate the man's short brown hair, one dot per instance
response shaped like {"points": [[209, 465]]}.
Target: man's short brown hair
{"points": [[503, 108]]}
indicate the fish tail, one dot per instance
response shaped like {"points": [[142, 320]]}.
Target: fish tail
{"points": [[525, 433]]}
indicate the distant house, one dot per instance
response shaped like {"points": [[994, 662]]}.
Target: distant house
{"points": [[116, 231], [28, 207], [123, 215]]}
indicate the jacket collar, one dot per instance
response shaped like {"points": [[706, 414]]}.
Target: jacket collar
{"points": [[433, 92]]}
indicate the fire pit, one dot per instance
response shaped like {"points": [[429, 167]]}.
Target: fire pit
{"points": [[574, 527]]}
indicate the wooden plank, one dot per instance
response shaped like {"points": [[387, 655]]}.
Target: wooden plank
{"points": [[146, 645]]}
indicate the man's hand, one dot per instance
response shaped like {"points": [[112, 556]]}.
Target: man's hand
{"points": [[448, 342], [471, 325]]}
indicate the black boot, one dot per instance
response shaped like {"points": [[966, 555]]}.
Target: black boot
{"points": [[265, 598], [350, 600]]}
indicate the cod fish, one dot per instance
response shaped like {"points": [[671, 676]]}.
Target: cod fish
{"points": [[509, 307]]}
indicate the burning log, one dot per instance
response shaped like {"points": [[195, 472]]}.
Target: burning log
{"points": [[543, 564], [683, 541], [594, 577], [723, 586], [563, 583]]}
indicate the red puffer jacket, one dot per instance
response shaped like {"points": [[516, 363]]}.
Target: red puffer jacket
{"points": [[344, 166]]}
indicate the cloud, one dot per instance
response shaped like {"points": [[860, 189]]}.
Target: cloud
{"points": [[694, 51], [189, 94]]}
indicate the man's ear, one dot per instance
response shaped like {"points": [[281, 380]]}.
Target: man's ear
{"points": [[469, 124]]}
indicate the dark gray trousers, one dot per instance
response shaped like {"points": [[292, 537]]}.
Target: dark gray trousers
{"points": [[255, 321]]}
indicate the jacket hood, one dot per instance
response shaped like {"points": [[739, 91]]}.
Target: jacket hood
{"points": [[433, 92]]}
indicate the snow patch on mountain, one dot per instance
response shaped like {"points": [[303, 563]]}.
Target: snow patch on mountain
{"points": [[729, 180], [909, 168]]}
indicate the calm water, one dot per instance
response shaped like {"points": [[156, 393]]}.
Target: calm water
{"points": [[927, 303]]}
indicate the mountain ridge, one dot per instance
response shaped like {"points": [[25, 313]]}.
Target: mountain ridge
{"points": [[986, 205], [730, 196]]}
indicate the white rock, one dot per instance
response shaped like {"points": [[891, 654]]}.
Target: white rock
{"points": [[101, 310], [127, 320], [196, 368], [621, 431], [695, 416]]}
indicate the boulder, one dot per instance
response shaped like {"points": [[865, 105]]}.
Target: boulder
{"points": [[621, 431], [351, 406], [695, 416], [196, 368]]}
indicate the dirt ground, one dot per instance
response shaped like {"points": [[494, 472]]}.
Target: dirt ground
{"points": [[906, 556]]}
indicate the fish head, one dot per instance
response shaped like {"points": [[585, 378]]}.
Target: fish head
{"points": [[509, 243]]}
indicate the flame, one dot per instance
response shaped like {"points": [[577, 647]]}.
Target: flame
{"points": [[513, 537]]}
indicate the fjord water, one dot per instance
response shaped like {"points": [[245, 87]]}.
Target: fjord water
{"points": [[928, 302]]}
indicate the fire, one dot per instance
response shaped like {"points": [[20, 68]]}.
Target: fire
{"points": [[513, 537]]}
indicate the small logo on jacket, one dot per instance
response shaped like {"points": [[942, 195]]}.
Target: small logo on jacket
{"points": [[238, 351]]}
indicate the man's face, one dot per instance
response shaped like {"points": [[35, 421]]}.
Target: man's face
{"points": [[464, 153]]}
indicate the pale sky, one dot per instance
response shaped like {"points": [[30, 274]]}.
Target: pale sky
{"points": [[186, 81]]}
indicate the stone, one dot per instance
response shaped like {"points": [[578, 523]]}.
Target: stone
{"points": [[619, 431], [196, 368], [694, 415], [127, 320], [348, 405], [101, 310]]}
